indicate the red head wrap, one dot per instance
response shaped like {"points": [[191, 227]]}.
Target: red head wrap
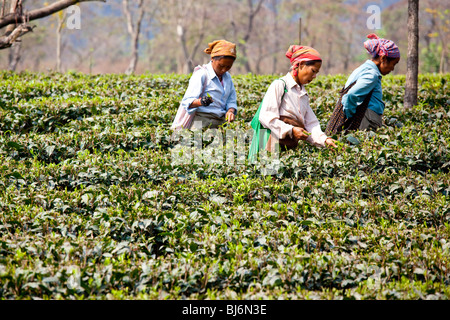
{"points": [[297, 54]]}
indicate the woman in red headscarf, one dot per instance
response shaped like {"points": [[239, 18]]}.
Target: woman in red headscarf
{"points": [[285, 109]]}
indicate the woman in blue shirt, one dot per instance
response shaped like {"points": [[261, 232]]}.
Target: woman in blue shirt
{"points": [[385, 55], [211, 95]]}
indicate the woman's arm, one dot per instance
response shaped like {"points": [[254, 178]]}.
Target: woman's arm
{"points": [[191, 97], [231, 104], [312, 124]]}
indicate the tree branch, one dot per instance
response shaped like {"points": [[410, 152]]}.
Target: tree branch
{"points": [[200, 37], [40, 13], [251, 17], [12, 11], [7, 41]]}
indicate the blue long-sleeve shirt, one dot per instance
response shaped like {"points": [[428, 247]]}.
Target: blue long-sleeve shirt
{"points": [[368, 78], [224, 96]]}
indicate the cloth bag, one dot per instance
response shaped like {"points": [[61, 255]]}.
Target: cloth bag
{"points": [[260, 134], [183, 120], [338, 121]]}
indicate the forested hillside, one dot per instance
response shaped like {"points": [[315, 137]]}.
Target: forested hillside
{"points": [[174, 33]]}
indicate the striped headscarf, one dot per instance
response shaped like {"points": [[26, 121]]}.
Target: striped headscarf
{"points": [[381, 47], [297, 54], [221, 48]]}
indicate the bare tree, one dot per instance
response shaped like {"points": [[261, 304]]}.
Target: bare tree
{"points": [[439, 29], [252, 11], [14, 53], [59, 28], [12, 32], [187, 22], [276, 34], [181, 32], [352, 14], [412, 72], [14, 56], [16, 21], [134, 30]]}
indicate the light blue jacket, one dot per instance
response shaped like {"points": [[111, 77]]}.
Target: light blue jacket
{"points": [[368, 78], [224, 96]]}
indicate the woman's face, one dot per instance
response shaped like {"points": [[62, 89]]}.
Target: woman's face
{"points": [[221, 66], [306, 73], [387, 66]]}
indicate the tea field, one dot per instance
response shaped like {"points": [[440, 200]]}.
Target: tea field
{"points": [[92, 205]]}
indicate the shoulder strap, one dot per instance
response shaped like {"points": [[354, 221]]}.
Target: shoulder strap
{"points": [[255, 121], [204, 76], [345, 90], [285, 89]]}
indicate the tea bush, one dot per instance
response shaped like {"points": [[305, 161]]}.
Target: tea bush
{"points": [[93, 206]]}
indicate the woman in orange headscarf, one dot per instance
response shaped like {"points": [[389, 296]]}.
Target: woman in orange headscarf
{"points": [[210, 99], [285, 109]]}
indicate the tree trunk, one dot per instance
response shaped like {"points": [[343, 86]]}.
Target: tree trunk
{"points": [[443, 53], [134, 31], [251, 16], [2, 10], [12, 10], [276, 37], [412, 63], [61, 20], [58, 52], [330, 51], [348, 51], [14, 56], [188, 65]]}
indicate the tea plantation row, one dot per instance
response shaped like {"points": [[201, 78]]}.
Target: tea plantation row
{"points": [[92, 205]]}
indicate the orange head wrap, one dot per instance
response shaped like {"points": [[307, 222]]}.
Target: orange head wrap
{"points": [[221, 48]]}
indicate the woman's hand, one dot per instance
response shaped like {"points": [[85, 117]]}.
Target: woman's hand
{"points": [[300, 133], [229, 116], [206, 101], [196, 103], [331, 142]]}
